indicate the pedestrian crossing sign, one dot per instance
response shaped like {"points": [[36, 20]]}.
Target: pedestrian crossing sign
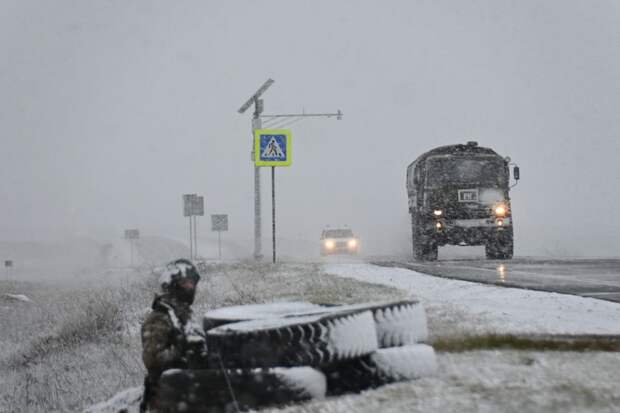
{"points": [[272, 147]]}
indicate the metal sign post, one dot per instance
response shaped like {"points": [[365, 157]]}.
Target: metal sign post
{"points": [[219, 223], [8, 264], [193, 206], [187, 212], [199, 210], [273, 147], [273, 212], [131, 235]]}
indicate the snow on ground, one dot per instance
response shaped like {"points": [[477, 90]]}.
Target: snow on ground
{"points": [[492, 382], [483, 308], [472, 381], [128, 399], [17, 297]]}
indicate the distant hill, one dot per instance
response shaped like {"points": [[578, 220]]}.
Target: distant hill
{"points": [[61, 259]]}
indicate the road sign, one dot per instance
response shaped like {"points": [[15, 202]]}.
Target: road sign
{"points": [[8, 263], [193, 205], [198, 206], [132, 234], [219, 222], [272, 147], [188, 204]]}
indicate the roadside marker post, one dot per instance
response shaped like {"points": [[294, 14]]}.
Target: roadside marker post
{"points": [[8, 264], [193, 206], [131, 235], [219, 223]]}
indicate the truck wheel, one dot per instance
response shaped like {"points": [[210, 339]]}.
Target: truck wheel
{"points": [[384, 366], [424, 248], [500, 248], [208, 390], [294, 341], [431, 251], [506, 250]]}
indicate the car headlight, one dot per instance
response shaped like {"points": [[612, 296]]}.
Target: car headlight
{"points": [[352, 243], [437, 212], [500, 210], [329, 244]]}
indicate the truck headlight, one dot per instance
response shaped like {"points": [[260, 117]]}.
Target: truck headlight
{"points": [[352, 243], [329, 244], [437, 212], [500, 210]]}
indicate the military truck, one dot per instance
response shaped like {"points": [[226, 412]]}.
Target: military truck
{"points": [[459, 195]]}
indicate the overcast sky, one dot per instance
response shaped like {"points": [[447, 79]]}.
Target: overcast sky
{"points": [[111, 110]]}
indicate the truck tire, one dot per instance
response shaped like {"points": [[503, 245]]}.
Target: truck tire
{"points": [[397, 323], [426, 250], [234, 314], [424, 247], [430, 251], [220, 390], [500, 248], [384, 366], [294, 341]]}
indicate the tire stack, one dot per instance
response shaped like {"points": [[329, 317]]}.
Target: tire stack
{"points": [[288, 352]]}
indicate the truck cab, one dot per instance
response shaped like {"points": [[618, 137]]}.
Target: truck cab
{"points": [[459, 195]]}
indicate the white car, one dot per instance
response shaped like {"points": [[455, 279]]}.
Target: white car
{"points": [[339, 241]]}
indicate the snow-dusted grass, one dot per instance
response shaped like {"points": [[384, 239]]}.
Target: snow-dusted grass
{"points": [[67, 346], [78, 343], [492, 382], [95, 367], [248, 283]]}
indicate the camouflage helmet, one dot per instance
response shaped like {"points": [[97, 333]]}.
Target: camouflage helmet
{"points": [[177, 271]]}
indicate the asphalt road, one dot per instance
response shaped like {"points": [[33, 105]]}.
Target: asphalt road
{"points": [[597, 278]]}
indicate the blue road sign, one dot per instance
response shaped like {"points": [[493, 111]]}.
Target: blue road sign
{"points": [[272, 147]]}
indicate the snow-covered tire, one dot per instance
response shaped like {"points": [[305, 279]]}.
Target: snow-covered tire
{"points": [[398, 323], [194, 391], [384, 366], [294, 341], [234, 314]]}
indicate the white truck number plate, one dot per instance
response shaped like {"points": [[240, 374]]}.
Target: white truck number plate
{"points": [[468, 195]]}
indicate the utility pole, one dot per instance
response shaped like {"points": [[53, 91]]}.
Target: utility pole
{"points": [[258, 124]]}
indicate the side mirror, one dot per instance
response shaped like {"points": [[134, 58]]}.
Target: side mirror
{"points": [[515, 173]]}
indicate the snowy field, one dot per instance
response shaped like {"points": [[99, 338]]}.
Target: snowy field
{"points": [[69, 348]]}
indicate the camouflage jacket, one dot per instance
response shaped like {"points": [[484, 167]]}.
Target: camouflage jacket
{"points": [[164, 341]]}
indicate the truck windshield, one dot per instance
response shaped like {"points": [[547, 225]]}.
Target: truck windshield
{"points": [[444, 171]]}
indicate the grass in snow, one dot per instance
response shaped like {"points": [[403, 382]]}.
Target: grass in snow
{"points": [[529, 343], [73, 347]]}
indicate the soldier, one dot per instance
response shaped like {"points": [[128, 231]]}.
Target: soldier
{"points": [[164, 332]]}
